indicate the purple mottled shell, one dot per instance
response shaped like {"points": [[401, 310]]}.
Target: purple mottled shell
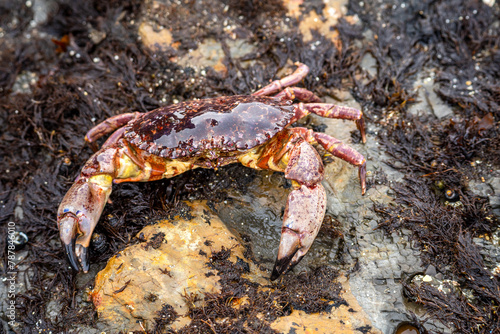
{"points": [[222, 124]]}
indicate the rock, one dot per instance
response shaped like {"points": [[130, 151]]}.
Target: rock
{"points": [[170, 264], [495, 197], [428, 100], [155, 40], [322, 22], [158, 277], [345, 319], [481, 189], [210, 54], [369, 64]]}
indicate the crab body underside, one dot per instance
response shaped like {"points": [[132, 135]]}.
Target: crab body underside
{"points": [[253, 130]]}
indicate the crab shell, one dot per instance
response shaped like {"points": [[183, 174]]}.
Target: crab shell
{"points": [[209, 128]]}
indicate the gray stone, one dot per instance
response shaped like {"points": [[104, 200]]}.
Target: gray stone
{"points": [[429, 101], [481, 189], [369, 64]]}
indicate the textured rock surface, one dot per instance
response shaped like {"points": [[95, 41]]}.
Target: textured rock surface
{"points": [[383, 261], [170, 263], [344, 320]]}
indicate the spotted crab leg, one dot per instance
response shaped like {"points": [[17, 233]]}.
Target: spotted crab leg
{"points": [[330, 110], [301, 94], [314, 104], [305, 209]]}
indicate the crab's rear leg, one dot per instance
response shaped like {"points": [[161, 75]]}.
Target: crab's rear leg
{"points": [[337, 148], [109, 125], [306, 205], [290, 80], [285, 90], [330, 110], [297, 93]]}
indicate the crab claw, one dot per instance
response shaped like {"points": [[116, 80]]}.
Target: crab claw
{"points": [[78, 215], [304, 214], [77, 254], [68, 232]]}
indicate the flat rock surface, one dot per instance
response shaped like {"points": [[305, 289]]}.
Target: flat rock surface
{"points": [[172, 262]]}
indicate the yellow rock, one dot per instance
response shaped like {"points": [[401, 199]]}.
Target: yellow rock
{"points": [[341, 320], [155, 40], [170, 266], [328, 18], [140, 279]]}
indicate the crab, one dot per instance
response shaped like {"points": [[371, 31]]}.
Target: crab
{"points": [[253, 130]]}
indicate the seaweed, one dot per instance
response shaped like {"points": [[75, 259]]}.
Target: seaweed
{"points": [[61, 75], [247, 308], [440, 158]]}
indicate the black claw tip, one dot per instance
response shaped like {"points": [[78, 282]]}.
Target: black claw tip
{"points": [[275, 274], [70, 254], [282, 266], [84, 259]]}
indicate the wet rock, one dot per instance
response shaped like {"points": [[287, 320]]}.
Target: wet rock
{"points": [[138, 281], [490, 250], [24, 82], [155, 39], [209, 53], [481, 189], [428, 100], [41, 10], [321, 22], [345, 319], [11, 286], [53, 309], [369, 64], [494, 198], [383, 260], [158, 277]]}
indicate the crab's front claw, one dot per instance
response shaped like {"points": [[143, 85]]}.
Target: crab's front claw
{"points": [[71, 232], [302, 220], [78, 215], [68, 230]]}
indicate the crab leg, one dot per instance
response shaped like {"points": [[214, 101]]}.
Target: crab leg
{"points": [[278, 85], [344, 152], [330, 110], [288, 152], [109, 125], [305, 209], [78, 214], [338, 149], [301, 94], [290, 93], [304, 213]]}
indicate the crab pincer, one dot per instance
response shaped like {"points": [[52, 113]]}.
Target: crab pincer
{"points": [[253, 130], [305, 207], [78, 215], [301, 223]]}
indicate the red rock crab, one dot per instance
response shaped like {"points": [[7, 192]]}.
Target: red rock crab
{"points": [[253, 130]]}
